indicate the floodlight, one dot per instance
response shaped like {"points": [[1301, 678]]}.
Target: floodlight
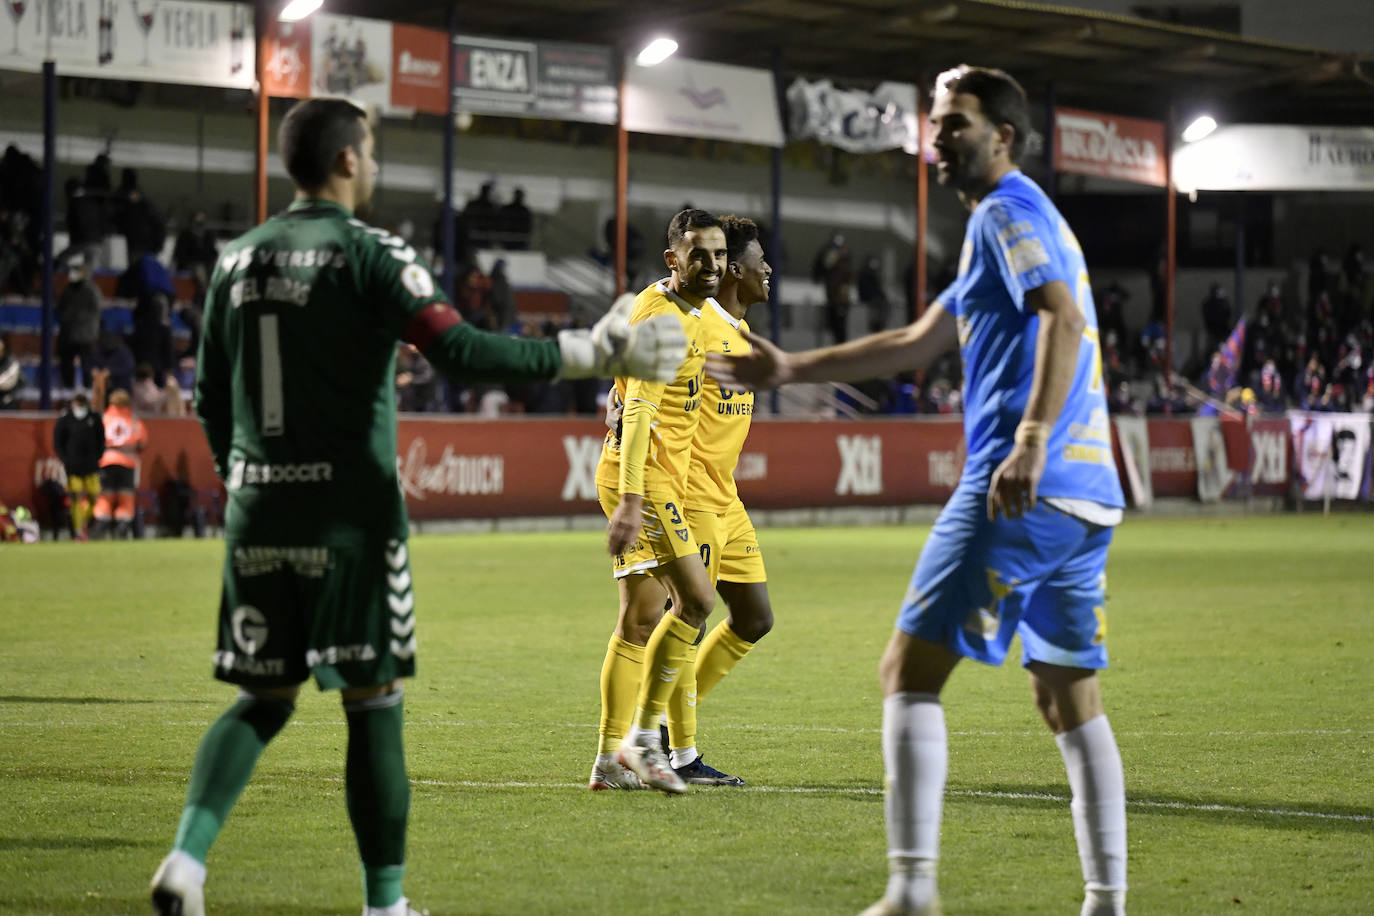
{"points": [[1201, 127], [297, 10], [656, 52]]}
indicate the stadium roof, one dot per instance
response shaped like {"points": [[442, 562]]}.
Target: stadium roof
{"points": [[1097, 60]]}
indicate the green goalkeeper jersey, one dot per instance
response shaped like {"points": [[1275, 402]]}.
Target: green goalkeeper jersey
{"points": [[296, 375]]}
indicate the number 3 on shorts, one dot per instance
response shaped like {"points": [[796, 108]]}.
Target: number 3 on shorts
{"points": [[676, 518]]}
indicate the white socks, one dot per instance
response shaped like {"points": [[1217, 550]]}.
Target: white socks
{"points": [[916, 755], [1099, 813], [680, 757]]}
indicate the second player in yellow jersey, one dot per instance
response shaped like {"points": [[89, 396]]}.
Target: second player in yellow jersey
{"points": [[715, 514]]}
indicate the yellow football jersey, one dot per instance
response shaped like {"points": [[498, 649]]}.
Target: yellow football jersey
{"points": [[725, 416], [678, 403]]}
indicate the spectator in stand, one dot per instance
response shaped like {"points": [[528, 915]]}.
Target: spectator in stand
{"points": [[114, 362], [174, 404], [501, 298], [516, 222], [1367, 403], [1271, 397], [471, 298], [1318, 275], [100, 176], [417, 384], [195, 252], [480, 216], [1311, 398], [1216, 316], [634, 249], [149, 284], [1120, 401], [86, 228], [78, 317], [1111, 309], [79, 439], [460, 239], [148, 399], [135, 217], [125, 439], [18, 263], [833, 268], [872, 295], [11, 376]]}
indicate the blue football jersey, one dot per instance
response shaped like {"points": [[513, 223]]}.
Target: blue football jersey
{"points": [[1015, 242]]}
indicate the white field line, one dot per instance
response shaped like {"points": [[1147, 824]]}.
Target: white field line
{"points": [[773, 729], [956, 793]]}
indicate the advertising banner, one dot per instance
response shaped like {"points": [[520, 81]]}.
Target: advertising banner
{"points": [[458, 468], [1269, 465], [1133, 454], [158, 41], [691, 98], [370, 61], [1331, 454], [526, 79], [1173, 460], [854, 120], [1277, 157], [1109, 146], [1214, 474]]}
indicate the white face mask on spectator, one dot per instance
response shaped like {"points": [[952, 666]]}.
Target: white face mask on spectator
{"points": [[80, 412]]}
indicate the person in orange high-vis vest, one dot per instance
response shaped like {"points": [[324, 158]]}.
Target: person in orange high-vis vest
{"points": [[125, 437]]}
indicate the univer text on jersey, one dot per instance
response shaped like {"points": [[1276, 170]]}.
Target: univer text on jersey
{"points": [[735, 408]]}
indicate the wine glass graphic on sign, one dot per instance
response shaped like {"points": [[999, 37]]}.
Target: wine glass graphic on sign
{"points": [[147, 14], [16, 11]]}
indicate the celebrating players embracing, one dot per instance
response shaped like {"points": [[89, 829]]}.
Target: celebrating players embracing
{"points": [[641, 480]]}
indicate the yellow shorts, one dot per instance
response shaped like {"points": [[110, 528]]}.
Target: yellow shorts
{"points": [[729, 545], [666, 536], [85, 483]]}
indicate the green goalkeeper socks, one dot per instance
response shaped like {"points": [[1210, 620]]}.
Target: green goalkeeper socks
{"points": [[378, 793], [225, 760]]}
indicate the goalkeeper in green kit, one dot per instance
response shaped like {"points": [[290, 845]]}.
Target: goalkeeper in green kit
{"points": [[295, 390]]}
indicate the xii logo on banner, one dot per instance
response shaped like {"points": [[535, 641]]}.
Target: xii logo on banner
{"points": [[861, 465]]}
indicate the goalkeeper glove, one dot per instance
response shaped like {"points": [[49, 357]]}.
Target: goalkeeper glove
{"points": [[653, 349]]}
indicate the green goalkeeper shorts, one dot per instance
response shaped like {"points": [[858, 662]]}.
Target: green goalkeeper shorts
{"points": [[344, 614]]}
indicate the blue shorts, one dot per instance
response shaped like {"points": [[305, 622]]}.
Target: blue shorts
{"points": [[977, 583]]}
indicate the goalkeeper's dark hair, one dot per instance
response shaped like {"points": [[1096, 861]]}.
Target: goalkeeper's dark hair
{"points": [[686, 220], [312, 135], [739, 232], [999, 95]]}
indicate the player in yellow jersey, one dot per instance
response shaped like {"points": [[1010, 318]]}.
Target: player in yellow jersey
{"points": [[715, 514], [641, 481]]}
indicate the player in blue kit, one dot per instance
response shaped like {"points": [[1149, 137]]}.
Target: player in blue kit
{"points": [[1021, 546]]}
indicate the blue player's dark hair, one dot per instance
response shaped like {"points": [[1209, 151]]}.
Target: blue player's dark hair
{"points": [[999, 95]]}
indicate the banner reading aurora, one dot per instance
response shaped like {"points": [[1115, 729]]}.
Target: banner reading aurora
{"points": [[163, 41]]}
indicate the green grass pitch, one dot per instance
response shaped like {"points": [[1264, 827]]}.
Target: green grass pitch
{"points": [[1241, 691]]}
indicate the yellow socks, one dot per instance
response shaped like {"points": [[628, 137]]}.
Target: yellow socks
{"points": [[671, 647], [721, 651], [621, 673], [682, 708]]}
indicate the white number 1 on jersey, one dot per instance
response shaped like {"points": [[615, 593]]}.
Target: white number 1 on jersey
{"points": [[273, 404]]}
